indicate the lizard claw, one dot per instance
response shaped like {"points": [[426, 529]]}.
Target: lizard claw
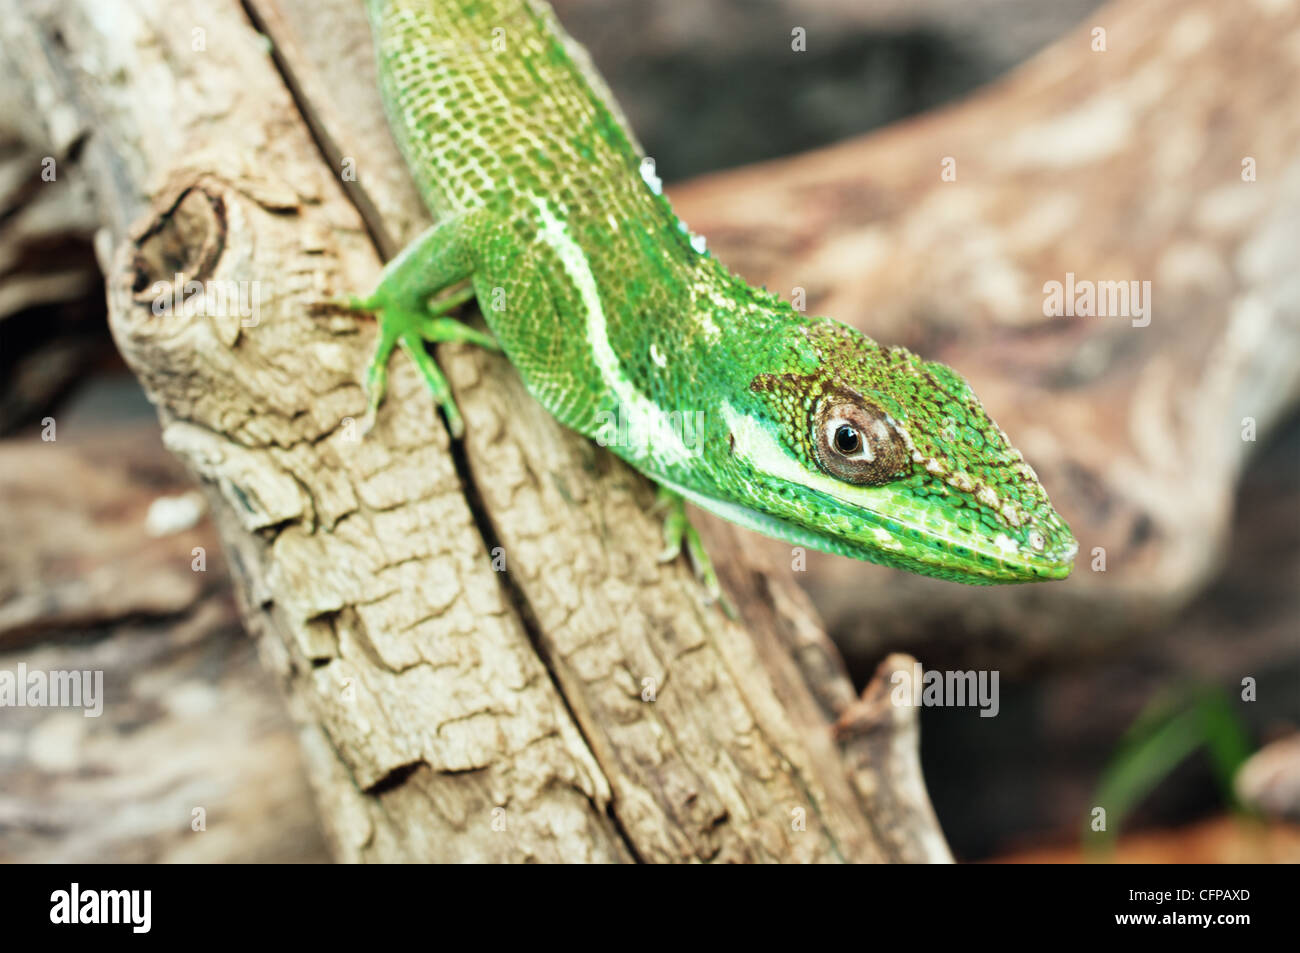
{"points": [[678, 531], [368, 422]]}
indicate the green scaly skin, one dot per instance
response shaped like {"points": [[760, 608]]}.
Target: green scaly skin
{"points": [[628, 331]]}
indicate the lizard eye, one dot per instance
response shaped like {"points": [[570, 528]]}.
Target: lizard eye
{"points": [[847, 440], [855, 443]]}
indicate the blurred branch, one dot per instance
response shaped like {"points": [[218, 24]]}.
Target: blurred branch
{"points": [[51, 297], [190, 757]]}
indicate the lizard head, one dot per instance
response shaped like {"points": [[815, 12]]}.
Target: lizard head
{"points": [[870, 452]]}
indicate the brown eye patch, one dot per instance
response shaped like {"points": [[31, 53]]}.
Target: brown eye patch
{"points": [[855, 443]]}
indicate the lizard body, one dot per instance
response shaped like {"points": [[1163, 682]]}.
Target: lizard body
{"points": [[626, 329]]}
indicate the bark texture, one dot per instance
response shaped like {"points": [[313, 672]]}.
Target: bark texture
{"points": [[583, 705]]}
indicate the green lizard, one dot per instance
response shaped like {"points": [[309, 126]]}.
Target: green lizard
{"points": [[611, 310]]}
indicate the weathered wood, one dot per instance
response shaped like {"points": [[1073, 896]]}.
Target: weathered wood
{"points": [[191, 757], [449, 711]]}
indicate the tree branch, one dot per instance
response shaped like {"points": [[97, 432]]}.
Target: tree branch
{"points": [[448, 711]]}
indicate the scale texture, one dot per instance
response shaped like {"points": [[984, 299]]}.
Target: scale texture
{"points": [[626, 329]]}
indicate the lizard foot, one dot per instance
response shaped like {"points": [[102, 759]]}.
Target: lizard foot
{"points": [[678, 530], [409, 324]]}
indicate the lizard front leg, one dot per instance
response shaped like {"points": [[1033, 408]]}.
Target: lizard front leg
{"points": [[678, 530], [435, 261]]}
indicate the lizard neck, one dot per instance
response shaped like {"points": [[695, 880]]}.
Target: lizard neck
{"points": [[612, 308]]}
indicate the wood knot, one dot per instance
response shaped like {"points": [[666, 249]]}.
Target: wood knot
{"points": [[181, 245]]}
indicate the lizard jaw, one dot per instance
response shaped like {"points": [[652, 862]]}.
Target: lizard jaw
{"points": [[941, 564]]}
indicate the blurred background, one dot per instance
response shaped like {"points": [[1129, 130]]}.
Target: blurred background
{"points": [[1122, 687]]}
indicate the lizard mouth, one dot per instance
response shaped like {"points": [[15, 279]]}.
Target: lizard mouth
{"points": [[978, 562], [940, 557], [935, 555]]}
